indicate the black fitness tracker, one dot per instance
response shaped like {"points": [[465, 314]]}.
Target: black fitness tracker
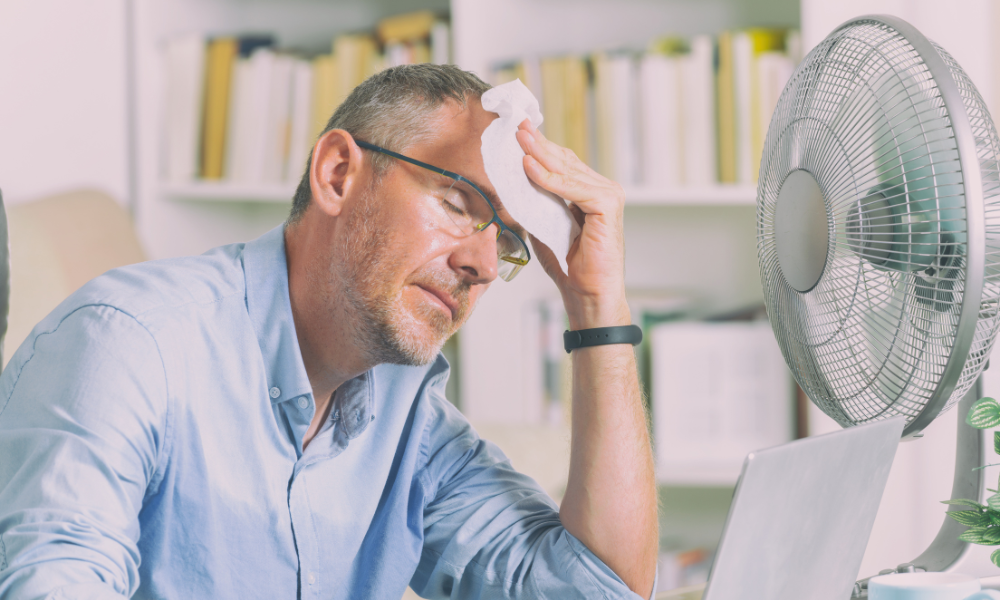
{"points": [[600, 336]]}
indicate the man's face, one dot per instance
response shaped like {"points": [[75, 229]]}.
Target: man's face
{"points": [[409, 280]]}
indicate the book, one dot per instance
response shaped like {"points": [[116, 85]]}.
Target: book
{"points": [[239, 105], [277, 120], [773, 69], [660, 118], [406, 27], [441, 43], [243, 114], [577, 107], [251, 136], [324, 93], [300, 140], [698, 113], [565, 85], [615, 99], [720, 390], [553, 87], [725, 94], [185, 88], [742, 48], [218, 75], [763, 42], [357, 59]]}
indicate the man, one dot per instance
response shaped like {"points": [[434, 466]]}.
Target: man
{"points": [[268, 419]]}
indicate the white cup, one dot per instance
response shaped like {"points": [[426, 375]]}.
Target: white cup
{"points": [[926, 586]]}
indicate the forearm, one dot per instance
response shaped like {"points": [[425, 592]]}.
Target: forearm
{"points": [[610, 503]]}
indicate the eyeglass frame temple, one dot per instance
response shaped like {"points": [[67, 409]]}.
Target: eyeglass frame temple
{"points": [[454, 176]]}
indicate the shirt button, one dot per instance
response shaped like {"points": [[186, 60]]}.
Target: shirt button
{"points": [[312, 579], [303, 403], [275, 392]]}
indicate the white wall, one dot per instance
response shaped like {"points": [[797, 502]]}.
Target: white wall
{"points": [[63, 104], [962, 27]]}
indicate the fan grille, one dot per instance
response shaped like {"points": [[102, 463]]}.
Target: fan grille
{"points": [[865, 117]]}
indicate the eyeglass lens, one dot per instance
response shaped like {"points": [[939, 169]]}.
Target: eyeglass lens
{"points": [[470, 212]]}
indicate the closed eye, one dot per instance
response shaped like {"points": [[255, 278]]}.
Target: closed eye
{"points": [[456, 200]]}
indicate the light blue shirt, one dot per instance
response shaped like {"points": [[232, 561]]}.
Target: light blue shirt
{"points": [[151, 446]]}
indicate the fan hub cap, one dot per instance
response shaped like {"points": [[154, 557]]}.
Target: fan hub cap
{"points": [[801, 230]]}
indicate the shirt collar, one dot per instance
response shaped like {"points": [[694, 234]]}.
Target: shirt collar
{"points": [[265, 268]]}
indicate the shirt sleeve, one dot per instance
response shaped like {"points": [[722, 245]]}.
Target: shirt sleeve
{"points": [[82, 422], [491, 532]]}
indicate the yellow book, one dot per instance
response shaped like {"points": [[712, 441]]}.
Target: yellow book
{"points": [[218, 78], [421, 53], [726, 110], [407, 27], [575, 95], [324, 93], [355, 56], [553, 86]]}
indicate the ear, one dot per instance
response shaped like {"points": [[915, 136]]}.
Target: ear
{"points": [[337, 168]]}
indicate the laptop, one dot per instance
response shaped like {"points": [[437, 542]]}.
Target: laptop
{"points": [[801, 516]]}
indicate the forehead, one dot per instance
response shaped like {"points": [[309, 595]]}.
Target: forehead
{"points": [[453, 139]]}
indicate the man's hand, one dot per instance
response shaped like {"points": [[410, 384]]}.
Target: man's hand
{"points": [[594, 288], [610, 502]]}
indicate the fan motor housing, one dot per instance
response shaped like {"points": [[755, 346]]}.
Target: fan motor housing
{"points": [[801, 230]]}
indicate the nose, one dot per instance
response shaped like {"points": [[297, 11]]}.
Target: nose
{"points": [[475, 257]]}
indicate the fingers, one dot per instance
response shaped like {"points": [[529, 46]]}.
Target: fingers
{"points": [[554, 157], [561, 172], [592, 193]]}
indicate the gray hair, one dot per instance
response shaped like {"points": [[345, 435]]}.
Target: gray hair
{"points": [[391, 109]]}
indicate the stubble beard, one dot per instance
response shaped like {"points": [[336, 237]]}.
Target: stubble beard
{"points": [[381, 325]]}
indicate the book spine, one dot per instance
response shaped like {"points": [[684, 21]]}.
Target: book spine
{"points": [[185, 81], [221, 55]]}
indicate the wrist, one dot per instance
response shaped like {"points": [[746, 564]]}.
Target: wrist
{"points": [[590, 313]]}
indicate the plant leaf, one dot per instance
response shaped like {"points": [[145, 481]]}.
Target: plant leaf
{"points": [[992, 535], [994, 516], [995, 557], [994, 502], [964, 502], [996, 442], [972, 518], [974, 535], [984, 414]]}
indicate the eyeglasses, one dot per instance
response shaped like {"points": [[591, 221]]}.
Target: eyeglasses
{"points": [[468, 208]]}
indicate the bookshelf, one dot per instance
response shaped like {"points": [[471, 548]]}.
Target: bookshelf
{"points": [[699, 230]]}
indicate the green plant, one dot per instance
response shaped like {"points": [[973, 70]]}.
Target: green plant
{"points": [[983, 521]]}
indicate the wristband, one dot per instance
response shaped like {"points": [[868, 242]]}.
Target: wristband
{"points": [[599, 336]]}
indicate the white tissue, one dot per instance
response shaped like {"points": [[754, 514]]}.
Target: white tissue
{"points": [[545, 215]]}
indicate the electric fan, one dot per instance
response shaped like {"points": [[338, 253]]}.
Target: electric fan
{"points": [[878, 222]]}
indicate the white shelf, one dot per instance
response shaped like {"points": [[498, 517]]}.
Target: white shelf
{"points": [[710, 195], [224, 191]]}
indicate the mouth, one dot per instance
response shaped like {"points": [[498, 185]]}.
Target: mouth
{"points": [[441, 298]]}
